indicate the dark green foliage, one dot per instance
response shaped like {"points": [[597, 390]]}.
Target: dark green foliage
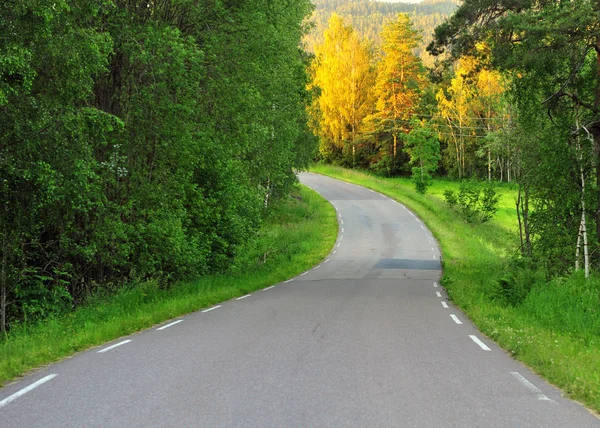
{"points": [[476, 204], [140, 140], [521, 277]]}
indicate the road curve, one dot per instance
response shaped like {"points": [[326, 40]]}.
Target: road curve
{"points": [[365, 339]]}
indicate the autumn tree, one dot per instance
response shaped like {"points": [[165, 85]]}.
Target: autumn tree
{"points": [[343, 78], [398, 85]]}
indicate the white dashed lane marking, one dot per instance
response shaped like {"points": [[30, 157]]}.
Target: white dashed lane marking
{"points": [[211, 309], [268, 288], [455, 319], [243, 297], [169, 325], [26, 390], [540, 395], [437, 293], [445, 305], [113, 346], [479, 342]]}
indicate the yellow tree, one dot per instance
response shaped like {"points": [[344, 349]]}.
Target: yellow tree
{"points": [[471, 109], [343, 78], [399, 82], [456, 108]]}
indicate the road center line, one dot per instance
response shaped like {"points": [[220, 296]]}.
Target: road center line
{"points": [[168, 325], [243, 297], [211, 309], [268, 288], [530, 386], [479, 342], [445, 305], [113, 346], [437, 293], [455, 318], [26, 390]]}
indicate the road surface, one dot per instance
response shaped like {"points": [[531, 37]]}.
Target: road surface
{"points": [[365, 339]]}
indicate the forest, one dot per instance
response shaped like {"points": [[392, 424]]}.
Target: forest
{"points": [[368, 18], [140, 140], [513, 97]]}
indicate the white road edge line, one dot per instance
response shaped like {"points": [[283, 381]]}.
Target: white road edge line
{"points": [[455, 318], [479, 342], [334, 251], [288, 281], [342, 230], [302, 274], [326, 261], [530, 386], [211, 309], [435, 284], [317, 267], [26, 390], [113, 346], [437, 293], [168, 325], [445, 305], [268, 288], [243, 297]]}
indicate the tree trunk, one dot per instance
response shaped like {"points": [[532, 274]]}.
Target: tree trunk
{"points": [[3, 286]]}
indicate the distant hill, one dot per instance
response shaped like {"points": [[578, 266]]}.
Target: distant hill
{"points": [[368, 18]]}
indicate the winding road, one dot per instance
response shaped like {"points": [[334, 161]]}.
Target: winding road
{"points": [[365, 339]]}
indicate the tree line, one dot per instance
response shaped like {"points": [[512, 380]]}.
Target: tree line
{"points": [[512, 97], [368, 18], [141, 139]]}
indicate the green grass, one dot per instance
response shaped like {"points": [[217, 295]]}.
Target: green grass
{"points": [[555, 330], [297, 235]]}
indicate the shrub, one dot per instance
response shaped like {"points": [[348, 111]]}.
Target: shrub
{"points": [[474, 206]]}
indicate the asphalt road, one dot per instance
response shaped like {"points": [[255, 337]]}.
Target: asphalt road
{"points": [[365, 339]]}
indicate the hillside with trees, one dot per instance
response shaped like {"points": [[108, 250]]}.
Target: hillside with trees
{"points": [[368, 18]]}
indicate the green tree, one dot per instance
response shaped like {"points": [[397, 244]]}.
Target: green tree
{"points": [[423, 147], [552, 50]]}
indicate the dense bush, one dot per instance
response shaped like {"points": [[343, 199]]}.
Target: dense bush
{"points": [[476, 205]]}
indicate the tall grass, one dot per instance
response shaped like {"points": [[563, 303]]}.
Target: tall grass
{"points": [[556, 328], [297, 234]]}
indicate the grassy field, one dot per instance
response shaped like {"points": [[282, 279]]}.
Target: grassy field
{"points": [[297, 235], [555, 330]]}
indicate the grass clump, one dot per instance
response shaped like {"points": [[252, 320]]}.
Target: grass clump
{"points": [[552, 326], [296, 235]]}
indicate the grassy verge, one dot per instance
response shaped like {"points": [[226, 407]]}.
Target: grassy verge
{"points": [[555, 330], [298, 234]]}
